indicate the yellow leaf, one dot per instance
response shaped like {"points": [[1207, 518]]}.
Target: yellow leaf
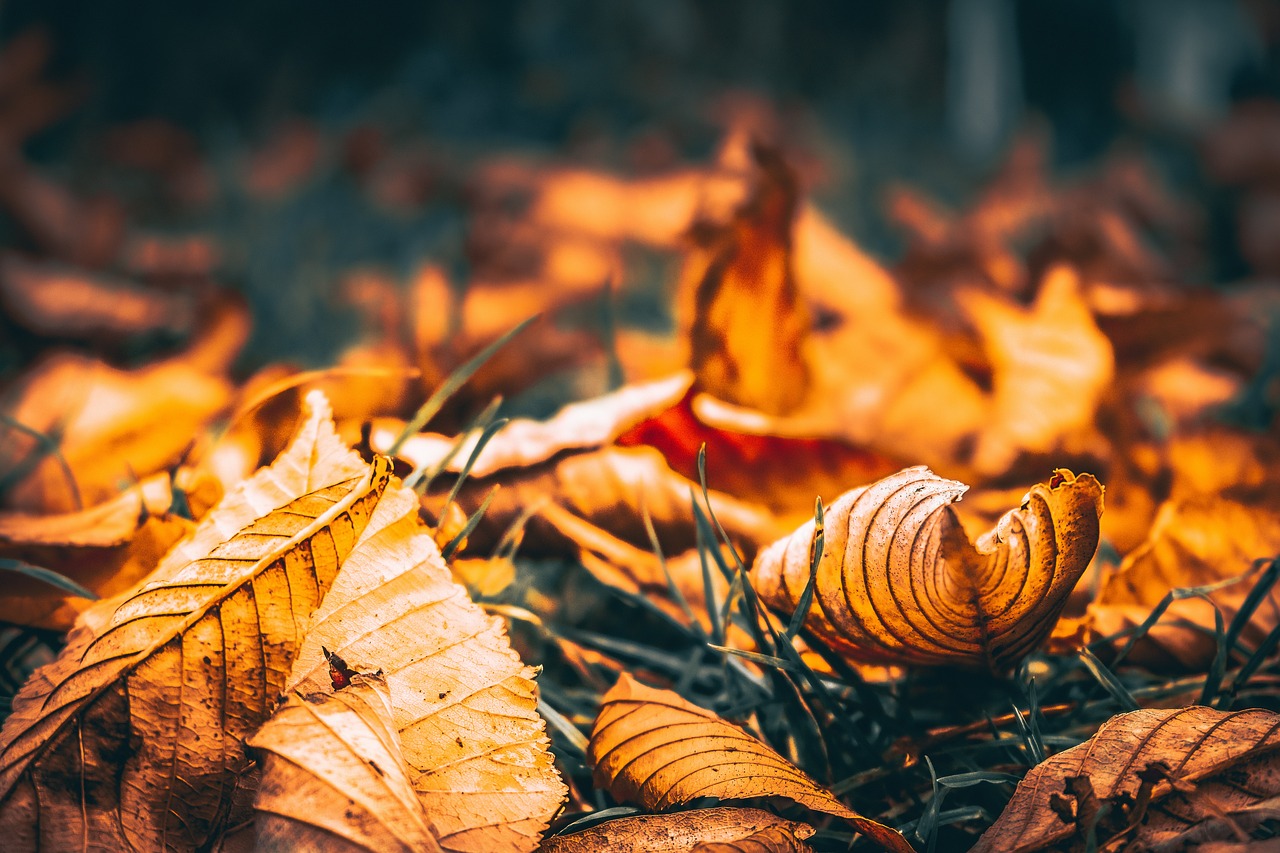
{"points": [[334, 778], [1198, 764], [652, 747], [133, 737], [899, 582], [463, 703], [718, 830]]}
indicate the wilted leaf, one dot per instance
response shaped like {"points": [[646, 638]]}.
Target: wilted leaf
{"points": [[106, 549], [333, 777], [1164, 769], [463, 703], [652, 747], [900, 583], [133, 737], [719, 830]]}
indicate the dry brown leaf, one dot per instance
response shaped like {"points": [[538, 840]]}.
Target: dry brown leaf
{"points": [[112, 426], [463, 703], [900, 583], [651, 747], [1050, 366], [718, 830], [1194, 541], [105, 549], [334, 778], [743, 292], [1197, 763], [133, 737]]}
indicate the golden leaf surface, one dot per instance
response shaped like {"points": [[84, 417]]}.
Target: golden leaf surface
{"points": [[900, 583], [1050, 364], [106, 549], [1187, 764], [133, 737], [334, 778], [746, 293], [718, 830], [463, 703], [652, 747]]}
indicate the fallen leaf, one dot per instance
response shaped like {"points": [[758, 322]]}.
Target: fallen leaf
{"points": [[900, 583], [1050, 367], [62, 302], [1183, 765], [651, 747], [111, 426], [333, 776], [461, 700], [106, 548], [743, 291], [718, 830], [181, 673], [1194, 541]]}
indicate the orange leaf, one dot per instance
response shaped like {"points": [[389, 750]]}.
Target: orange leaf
{"points": [[719, 830], [900, 583], [652, 747]]}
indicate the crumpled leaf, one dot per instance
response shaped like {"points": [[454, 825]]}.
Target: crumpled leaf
{"points": [[745, 292], [652, 747], [718, 830], [900, 583], [133, 737], [106, 548], [1179, 766], [333, 777], [463, 703], [1050, 364]]}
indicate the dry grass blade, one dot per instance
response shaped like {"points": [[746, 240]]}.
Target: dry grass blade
{"points": [[1186, 764], [334, 779], [900, 583], [133, 737], [463, 703], [652, 747], [719, 830]]}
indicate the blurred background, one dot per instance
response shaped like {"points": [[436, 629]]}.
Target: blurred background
{"points": [[284, 148]]}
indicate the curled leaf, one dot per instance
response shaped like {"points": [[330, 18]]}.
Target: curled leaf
{"points": [[133, 737], [333, 777], [718, 830], [652, 747], [1158, 772], [900, 583]]}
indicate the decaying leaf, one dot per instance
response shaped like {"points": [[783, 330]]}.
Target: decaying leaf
{"points": [[718, 830], [1147, 776], [652, 747], [461, 700], [133, 738], [900, 583], [746, 293], [106, 548], [333, 776]]}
